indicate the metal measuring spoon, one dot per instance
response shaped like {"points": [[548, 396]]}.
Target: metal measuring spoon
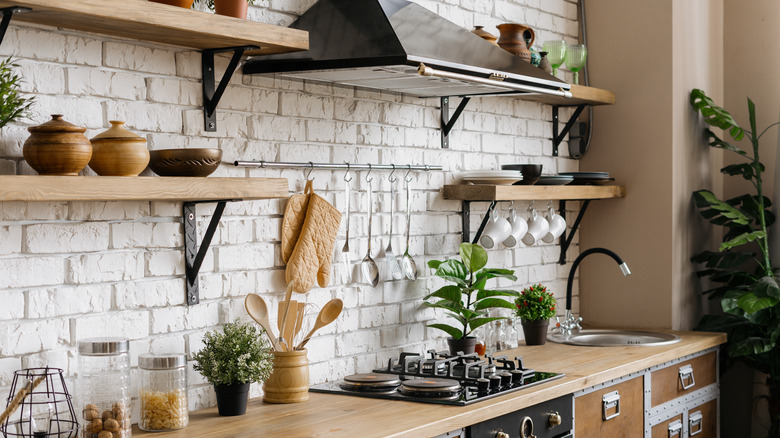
{"points": [[392, 260], [368, 266], [410, 267], [345, 248]]}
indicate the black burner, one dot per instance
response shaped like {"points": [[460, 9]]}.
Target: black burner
{"points": [[370, 382]]}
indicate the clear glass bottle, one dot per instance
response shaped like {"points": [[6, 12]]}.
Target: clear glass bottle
{"points": [[104, 387], [163, 391]]}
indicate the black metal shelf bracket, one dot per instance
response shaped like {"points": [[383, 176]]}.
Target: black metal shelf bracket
{"points": [[193, 256], [8, 13], [566, 240], [212, 94], [558, 137], [446, 122]]}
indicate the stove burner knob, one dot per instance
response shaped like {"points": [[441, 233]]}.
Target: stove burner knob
{"points": [[517, 377], [506, 379], [500, 434], [527, 428], [554, 419], [483, 385], [495, 382]]}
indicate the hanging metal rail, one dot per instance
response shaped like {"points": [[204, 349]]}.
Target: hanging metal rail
{"points": [[335, 166]]}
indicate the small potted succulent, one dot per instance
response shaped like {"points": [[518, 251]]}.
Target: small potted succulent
{"points": [[535, 306], [468, 301], [231, 359]]}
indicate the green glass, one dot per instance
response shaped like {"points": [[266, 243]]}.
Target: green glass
{"points": [[556, 53], [576, 55]]}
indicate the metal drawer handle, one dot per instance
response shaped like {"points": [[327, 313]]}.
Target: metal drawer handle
{"points": [[609, 401], [675, 429], [695, 424], [686, 374]]}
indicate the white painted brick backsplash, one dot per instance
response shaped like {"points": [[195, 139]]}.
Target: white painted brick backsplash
{"points": [[128, 324], [7, 367], [33, 336], [95, 268], [138, 58], [60, 301], [66, 238]]}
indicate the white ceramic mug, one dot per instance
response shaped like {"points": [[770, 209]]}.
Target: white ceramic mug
{"points": [[496, 230], [519, 228], [537, 228], [557, 226]]}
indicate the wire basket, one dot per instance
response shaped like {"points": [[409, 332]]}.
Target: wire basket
{"points": [[45, 410]]}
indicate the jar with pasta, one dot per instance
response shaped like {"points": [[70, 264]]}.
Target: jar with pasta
{"points": [[163, 391], [104, 388]]}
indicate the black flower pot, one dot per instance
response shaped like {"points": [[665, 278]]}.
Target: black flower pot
{"points": [[535, 331], [231, 399], [465, 344]]}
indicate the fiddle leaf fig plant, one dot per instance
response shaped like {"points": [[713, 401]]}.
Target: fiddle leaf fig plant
{"points": [[743, 280], [468, 300]]}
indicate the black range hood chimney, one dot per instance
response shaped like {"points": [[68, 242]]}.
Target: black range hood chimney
{"points": [[400, 46]]}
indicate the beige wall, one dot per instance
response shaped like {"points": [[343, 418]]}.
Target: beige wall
{"points": [[651, 54]]}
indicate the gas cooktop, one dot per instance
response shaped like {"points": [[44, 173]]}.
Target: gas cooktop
{"points": [[440, 378]]}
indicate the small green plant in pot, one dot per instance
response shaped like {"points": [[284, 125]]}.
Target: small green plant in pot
{"points": [[13, 105], [231, 359], [535, 306], [468, 300]]}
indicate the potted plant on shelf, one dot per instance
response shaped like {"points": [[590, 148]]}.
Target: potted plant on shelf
{"points": [[535, 306], [467, 301], [231, 360], [13, 105], [230, 8]]}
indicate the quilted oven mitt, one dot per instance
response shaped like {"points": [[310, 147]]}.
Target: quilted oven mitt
{"points": [[292, 222], [314, 249]]}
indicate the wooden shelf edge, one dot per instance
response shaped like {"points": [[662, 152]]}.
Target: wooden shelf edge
{"points": [[480, 192], [35, 188], [148, 21], [580, 95]]}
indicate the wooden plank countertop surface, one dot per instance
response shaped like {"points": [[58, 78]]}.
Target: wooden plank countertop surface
{"points": [[334, 415]]}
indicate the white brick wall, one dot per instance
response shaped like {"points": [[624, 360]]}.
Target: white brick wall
{"points": [[70, 270]]}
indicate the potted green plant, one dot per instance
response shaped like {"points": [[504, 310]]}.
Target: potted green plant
{"points": [[231, 359], [467, 300], [743, 280], [13, 105], [230, 8], [535, 306]]}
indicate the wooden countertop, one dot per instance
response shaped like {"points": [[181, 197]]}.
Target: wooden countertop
{"points": [[332, 415]]}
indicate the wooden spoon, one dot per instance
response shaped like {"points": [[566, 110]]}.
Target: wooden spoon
{"points": [[327, 315], [256, 308]]}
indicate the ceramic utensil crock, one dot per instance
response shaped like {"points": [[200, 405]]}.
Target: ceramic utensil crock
{"points": [[118, 152]]}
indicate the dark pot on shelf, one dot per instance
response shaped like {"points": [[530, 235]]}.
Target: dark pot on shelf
{"points": [[535, 331], [231, 399], [465, 344]]}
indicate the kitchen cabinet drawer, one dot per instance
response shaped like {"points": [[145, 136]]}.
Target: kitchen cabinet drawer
{"points": [[703, 420], [671, 428], [680, 379], [602, 413]]}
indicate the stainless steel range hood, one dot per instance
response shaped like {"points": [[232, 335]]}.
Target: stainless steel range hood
{"points": [[400, 46]]}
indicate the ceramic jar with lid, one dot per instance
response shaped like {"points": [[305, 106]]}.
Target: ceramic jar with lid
{"points": [[57, 147], [103, 387], [163, 391], [118, 152]]}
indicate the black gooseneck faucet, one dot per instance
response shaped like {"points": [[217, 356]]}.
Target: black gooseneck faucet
{"points": [[569, 323]]}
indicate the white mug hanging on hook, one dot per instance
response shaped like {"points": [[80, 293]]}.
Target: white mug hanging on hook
{"points": [[537, 227], [519, 228], [557, 226], [497, 230]]}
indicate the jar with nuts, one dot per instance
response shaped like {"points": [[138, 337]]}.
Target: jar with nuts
{"points": [[104, 387]]}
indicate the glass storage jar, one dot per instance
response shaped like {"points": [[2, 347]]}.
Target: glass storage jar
{"points": [[104, 387], [163, 391]]}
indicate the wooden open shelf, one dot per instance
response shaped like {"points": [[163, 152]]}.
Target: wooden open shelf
{"points": [[580, 95], [113, 188], [480, 192], [149, 21]]}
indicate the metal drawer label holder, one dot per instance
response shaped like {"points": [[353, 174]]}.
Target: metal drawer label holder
{"points": [[695, 424], [686, 375], [609, 401], [675, 429]]}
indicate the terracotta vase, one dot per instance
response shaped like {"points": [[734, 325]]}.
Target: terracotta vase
{"points": [[289, 381], [180, 3], [118, 152], [535, 331], [485, 35], [57, 147], [231, 8], [513, 39]]}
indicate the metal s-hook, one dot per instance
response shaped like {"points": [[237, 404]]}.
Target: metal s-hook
{"points": [[407, 178], [311, 167], [391, 178], [346, 174], [369, 173]]}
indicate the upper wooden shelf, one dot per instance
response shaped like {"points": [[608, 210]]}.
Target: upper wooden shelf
{"points": [[480, 192], [113, 188], [580, 95], [149, 21]]}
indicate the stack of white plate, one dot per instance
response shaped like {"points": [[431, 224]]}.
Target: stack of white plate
{"points": [[494, 177]]}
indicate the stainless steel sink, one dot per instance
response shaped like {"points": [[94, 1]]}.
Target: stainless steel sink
{"points": [[615, 338]]}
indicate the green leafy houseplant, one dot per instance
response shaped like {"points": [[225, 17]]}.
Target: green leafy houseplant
{"points": [[535, 303], [743, 280], [468, 300], [13, 105], [238, 353]]}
